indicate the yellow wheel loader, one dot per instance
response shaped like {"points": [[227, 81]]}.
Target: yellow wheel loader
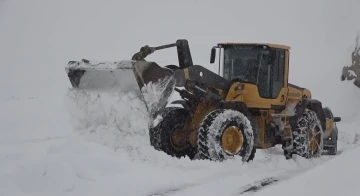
{"points": [[248, 105]]}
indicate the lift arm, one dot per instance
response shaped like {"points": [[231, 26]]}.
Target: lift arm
{"points": [[183, 50]]}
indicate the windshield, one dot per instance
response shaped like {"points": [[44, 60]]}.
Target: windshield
{"points": [[244, 63], [249, 64]]}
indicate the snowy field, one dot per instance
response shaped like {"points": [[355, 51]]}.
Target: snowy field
{"points": [[52, 144]]}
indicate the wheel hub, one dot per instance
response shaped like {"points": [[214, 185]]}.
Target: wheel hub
{"points": [[232, 140], [177, 140]]}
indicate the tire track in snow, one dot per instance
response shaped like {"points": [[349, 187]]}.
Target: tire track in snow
{"points": [[263, 183], [259, 184], [270, 177], [171, 190], [242, 182], [256, 185]]}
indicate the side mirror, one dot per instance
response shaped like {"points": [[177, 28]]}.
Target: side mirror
{"points": [[212, 55], [337, 119]]}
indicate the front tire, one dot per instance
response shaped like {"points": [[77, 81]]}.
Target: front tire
{"points": [[225, 133], [161, 135]]}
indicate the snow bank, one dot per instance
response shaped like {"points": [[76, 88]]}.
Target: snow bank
{"points": [[349, 134], [109, 153], [116, 120]]}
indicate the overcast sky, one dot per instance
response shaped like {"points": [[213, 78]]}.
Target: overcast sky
{"points": [[39, 37]]}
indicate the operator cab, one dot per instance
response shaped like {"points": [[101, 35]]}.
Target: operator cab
{"points": [[260, 64]]}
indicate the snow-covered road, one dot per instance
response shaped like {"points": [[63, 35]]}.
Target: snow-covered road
{"points": [[109, 153], [50, 145]]}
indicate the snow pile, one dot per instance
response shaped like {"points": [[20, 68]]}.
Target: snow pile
{"points": [[153, 92], [115, 147], [156, 96], [116, 120], [349, 135], [109, 153]]}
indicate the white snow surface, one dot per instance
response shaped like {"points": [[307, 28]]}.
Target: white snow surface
{"points": [[55, 141], [335, 177]]}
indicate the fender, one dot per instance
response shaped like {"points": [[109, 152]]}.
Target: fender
{"points": [[238, 106]]}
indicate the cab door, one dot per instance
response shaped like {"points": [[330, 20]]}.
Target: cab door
{"points": [[276, 92]]}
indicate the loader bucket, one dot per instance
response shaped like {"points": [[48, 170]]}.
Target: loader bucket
{"points": [[153, 83], [156, 84]]}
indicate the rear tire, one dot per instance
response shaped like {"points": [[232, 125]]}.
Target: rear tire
{"points": [[307, 136], [160, 136], [225, 133]]}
